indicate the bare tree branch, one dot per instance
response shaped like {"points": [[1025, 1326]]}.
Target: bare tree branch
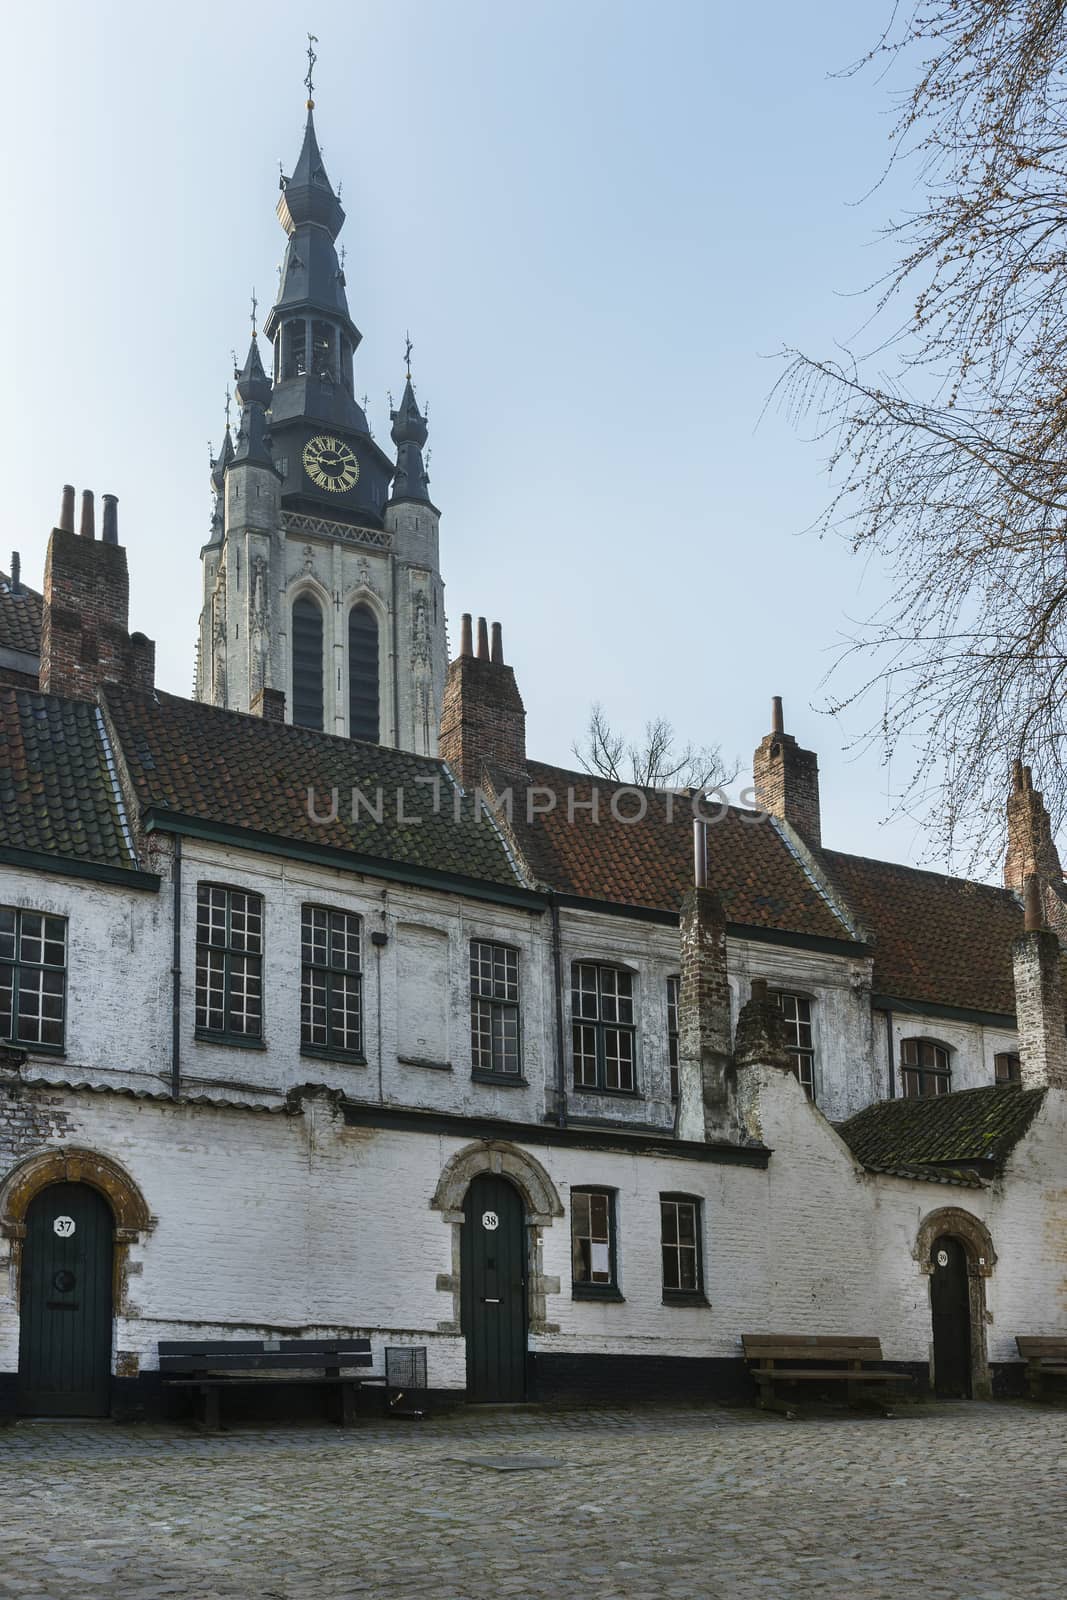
{"points": [[656, 763]]}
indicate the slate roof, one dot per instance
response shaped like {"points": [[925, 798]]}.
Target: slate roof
{"points": [[20, 618], [241, 771], [951, 1138], [649, 863], [937, 939], [58, 793]]}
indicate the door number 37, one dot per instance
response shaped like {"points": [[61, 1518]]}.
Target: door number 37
{"points": [[63, 1226]]}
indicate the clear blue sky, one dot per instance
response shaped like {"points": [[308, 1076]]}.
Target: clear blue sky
{"points": [[598, 220]]}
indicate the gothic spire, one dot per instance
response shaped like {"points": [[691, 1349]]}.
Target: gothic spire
{"points": [[409, 433], [253, 389]]}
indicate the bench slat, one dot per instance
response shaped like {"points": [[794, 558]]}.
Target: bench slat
{"points": [[1041, 1346], [263, 1383], [779, 1347], [842, 1374], [268, 1363]]}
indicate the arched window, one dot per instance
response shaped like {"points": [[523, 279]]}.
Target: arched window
{"points": [[363, 688], [294, 349], [322, 361], [925, 1069], [307, 662]]}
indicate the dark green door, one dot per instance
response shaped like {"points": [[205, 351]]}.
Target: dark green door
{"points": [[950, 1300], [65, 1330], [493, 1277]]}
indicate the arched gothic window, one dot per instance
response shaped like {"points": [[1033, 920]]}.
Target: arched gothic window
{"points": [[307, 662], [363, 685]]}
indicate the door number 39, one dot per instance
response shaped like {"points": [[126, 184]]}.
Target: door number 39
{"points": [[490, 1221], [63, 1226], [942, 1258]]}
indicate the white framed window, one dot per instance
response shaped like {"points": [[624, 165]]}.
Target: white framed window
{"points": [[604, 1037], [799, 1036], [331, 982], [229, 963], [33, 978], [494, 1008]]}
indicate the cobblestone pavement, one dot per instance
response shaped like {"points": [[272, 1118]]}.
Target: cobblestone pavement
{"points": [[965, 1502]]}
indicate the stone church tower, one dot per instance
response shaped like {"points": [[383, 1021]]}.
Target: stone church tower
{"points": [[321, 573]]}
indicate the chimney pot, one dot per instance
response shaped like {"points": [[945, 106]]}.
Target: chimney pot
{"points": [[87, 526], [483, 640], [16, 571], [700, 853], [110, 529], [466, 638], [1032, 908], [66, 509], [497, 651], [777, 719], [1017, 775], [269, 704], [759, 991]]}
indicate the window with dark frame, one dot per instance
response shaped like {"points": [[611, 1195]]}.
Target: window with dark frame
{"points": [[799, 1037], [1007, 1067], [593, 1269], [924, 1069], [33, 978], [603, 1032], [494, 1009], [229, 963], [680, 1245], [331, 982], [673, 989]]}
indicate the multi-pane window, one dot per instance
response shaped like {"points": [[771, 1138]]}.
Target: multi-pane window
{"points": [[331, 986], [494, 1008], [1007, 1067], [924, 1069], [680, 1244], [33, 974], [602, 1012], [799, 1040], [229, 962], [673, 987], [592, 1241]]}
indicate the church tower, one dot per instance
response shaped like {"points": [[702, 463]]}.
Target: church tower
{"points": [[321, 573]]}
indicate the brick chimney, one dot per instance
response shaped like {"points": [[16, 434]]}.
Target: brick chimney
{"points": [[786, 779], [268, 704], [1031, 847], [85, 637], [1039, 998], [482, 716], [703, 1011], [760, 1037]]}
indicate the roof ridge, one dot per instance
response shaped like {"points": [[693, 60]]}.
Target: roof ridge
{"points": [[923, 872]]}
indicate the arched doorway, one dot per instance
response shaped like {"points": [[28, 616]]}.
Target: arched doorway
{"points": [[66, 1303], [954, 1249], [493, 1276], [950, 1307]]}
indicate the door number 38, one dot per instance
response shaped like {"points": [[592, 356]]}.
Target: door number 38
{"points": [[490, 1221]]}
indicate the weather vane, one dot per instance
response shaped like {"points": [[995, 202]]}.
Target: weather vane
{"points": [[309, 80], [408, 347], [227, 408], [255, 303]]}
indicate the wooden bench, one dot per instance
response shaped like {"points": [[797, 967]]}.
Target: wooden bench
{"points": [[1045, 1356], [211, 1365], [803, 1358]]}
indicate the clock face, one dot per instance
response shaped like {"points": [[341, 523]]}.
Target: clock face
{"points": [[330, 464]]}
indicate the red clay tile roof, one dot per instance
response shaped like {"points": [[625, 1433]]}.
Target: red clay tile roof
{"points": [[937, 939], [20, 618], [58, 795], [227, 768], [650, 863]]}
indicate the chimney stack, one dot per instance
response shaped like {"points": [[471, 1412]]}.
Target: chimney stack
{"points": [[16, 572], [482, 717], [786, 779], [704, 1110], [760, 1037], [1031, 848], [268, 704], [1039, 999], [85, 638]]}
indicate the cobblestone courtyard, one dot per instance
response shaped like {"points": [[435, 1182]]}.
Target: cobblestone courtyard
{"points": [[961, 1501]]}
